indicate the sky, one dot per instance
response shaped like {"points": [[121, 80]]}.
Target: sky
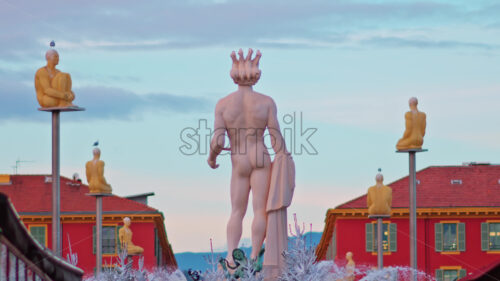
{"points": [[149, 74]]}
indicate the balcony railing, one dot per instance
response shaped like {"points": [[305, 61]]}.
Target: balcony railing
{"points": [[22, 258]]}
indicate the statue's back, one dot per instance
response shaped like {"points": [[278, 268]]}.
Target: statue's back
{"points": [[245, 115]]}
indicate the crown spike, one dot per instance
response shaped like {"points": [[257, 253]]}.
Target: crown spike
{"points": [[249, 55]]}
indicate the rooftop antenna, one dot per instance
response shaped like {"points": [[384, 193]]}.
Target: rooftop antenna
{"points": [[18, 164]]}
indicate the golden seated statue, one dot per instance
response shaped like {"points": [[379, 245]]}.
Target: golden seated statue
{"points": [[125, 236], [350, 267], [95, 174], [53, 87], [379, 198], [413, 137]]}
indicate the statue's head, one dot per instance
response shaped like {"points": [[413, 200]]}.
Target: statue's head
{"points": [[96, 152], [413, 102], [52, 57], [126, 221], [245, 71], [348, 256], [379, 178]]}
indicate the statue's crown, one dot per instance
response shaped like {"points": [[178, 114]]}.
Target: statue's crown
{"points": [[245, 71]]}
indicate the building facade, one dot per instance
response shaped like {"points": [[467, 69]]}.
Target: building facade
{"points": [[458, 223], [31, 196]]}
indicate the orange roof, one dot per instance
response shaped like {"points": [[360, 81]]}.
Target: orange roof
{"points": [[33, 194]]}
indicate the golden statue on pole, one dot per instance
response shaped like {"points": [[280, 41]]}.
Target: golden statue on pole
{"points": [[53, 87], [413, 137], [95, 174]]}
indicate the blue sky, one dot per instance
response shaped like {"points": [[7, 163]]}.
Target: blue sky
{"points": [[147, 70]]}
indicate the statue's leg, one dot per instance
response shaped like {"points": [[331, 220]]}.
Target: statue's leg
{"points": [[62, 82], [259, 182], [48, 101], [240, 189]]}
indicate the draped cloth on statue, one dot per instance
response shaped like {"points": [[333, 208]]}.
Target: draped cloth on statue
{"points": [[282, 185]]}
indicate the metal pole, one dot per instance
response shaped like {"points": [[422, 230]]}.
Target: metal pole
{"points": [[380, 250], [56, 191], [98, 231], [413, 214]]}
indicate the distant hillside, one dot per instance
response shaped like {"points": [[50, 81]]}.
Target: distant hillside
{"points": [[197, 261]]}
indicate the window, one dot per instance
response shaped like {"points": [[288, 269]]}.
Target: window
{"points": [[110, 240], [490, 236], [385, 237], [39, 233], [389, 237], [450, 273], [449, 237]]}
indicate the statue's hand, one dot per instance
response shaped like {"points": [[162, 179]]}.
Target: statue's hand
{"points": [[212, 164]]}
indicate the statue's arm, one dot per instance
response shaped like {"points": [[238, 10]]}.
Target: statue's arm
{"points": [[273, 126], [368, 199], [87, 172], [43, 78], [100, 168], [218, 139], [390, 198], [408, 125], [424, 124]]}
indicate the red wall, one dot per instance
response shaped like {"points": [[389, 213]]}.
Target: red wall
{"points": [[351, 237], [80, 235]]}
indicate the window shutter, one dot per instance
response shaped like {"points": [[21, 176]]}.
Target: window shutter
{"points": [[369, 237], [93, 239], [438, 235], [461, 237], [462, 273], [393, 237], [484, 237], [439, 274]]}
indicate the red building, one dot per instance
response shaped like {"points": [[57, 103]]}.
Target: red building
{"points": [[31, 196], [458, 223]]}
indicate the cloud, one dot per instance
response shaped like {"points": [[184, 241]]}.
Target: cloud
{"points": [[130, 25], [18, 102], [428, 43]]}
